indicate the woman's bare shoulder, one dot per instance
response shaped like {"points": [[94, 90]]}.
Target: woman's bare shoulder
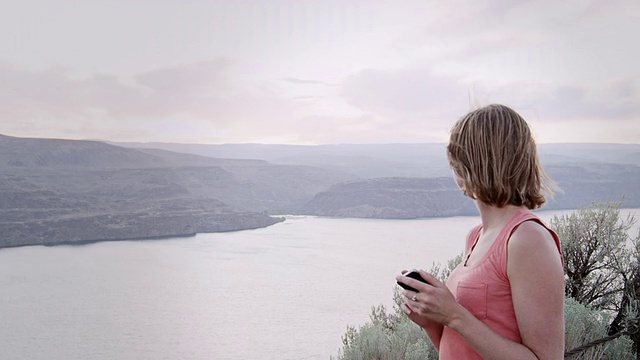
{"points": [[532, 240]]}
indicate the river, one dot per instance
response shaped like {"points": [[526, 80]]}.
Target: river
{"points": [[283, 292]]}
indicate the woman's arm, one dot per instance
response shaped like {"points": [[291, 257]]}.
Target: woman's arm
{"points": [[537, 281], [433, 329], [535, 270]]}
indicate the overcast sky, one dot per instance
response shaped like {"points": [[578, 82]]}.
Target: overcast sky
{"points": [[316, 72]]}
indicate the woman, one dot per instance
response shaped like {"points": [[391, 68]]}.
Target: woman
{"points": [[505, 300]]}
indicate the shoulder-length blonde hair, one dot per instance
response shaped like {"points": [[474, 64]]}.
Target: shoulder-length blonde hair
{"points": [[493, 154]]}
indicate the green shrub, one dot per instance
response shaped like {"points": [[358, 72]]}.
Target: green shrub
{"points": [[387, 336], [584, 324], [598, 256], [392, 336]]}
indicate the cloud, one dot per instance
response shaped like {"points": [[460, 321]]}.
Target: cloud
{"points": [[56, 92], [613, 101], [102, 105], [458, 28], [363, 129], [202, 102], [416, 104], [308, 98], [414, 90], [306, 82], [205, 78], [399, 72], [501, 42]]}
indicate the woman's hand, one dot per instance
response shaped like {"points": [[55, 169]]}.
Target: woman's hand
{"points": [[433, 303]]}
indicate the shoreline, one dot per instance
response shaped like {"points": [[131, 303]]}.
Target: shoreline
{"points": [[280, 218], [277, 220]]}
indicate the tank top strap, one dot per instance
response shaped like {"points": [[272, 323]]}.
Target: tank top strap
{"points": [[501, 250], [472, 238]]}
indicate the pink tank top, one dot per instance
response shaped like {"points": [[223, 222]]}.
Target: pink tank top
{"points": [[485, 291]]}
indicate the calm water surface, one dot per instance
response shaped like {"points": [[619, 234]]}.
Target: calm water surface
{"points": [[284, 292]]}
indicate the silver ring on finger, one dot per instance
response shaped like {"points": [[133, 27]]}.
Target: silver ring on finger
{"points": [[414, 298]]}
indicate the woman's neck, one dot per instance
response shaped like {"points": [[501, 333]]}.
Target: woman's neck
{"points": [[494, 217]]}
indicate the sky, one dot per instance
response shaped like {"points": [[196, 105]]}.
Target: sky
{"points": [[316, 72]]}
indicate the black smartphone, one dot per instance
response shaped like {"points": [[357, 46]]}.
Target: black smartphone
{"points": [[414, 274]]}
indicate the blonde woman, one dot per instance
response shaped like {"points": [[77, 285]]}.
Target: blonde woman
{"points": [[505, 300]]}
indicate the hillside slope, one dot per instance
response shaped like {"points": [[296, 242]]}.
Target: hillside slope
{"points": [[65, 191], [409, 198]]}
